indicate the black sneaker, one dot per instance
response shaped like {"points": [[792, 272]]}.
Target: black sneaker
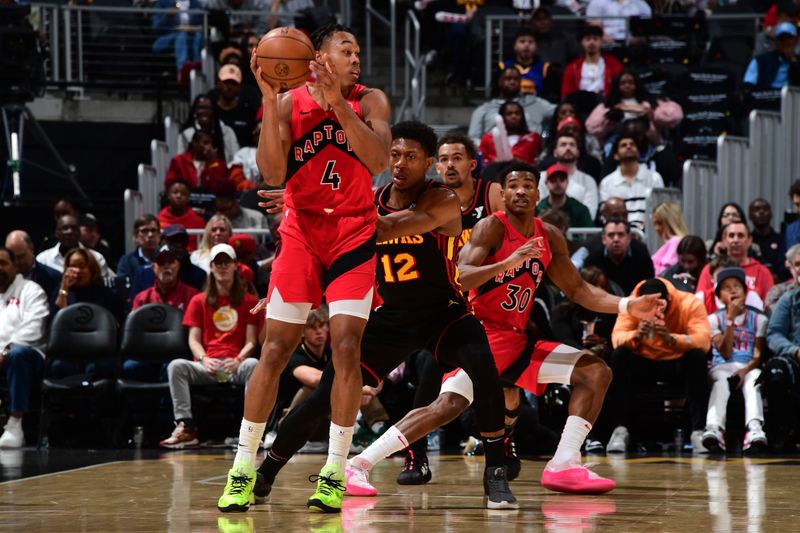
{"points": [[415, 471], [261, 489], [513, 464], [495, 487]]}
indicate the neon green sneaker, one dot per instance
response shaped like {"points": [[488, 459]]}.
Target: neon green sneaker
{"points": [[238, 493], [330, 490]]}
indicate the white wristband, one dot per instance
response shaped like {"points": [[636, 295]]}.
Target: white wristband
{"points": [[623, 305]]}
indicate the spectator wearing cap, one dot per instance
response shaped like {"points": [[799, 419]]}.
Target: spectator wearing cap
{"points": [[484, 118], [510, 138], [222, 337], [178, 211], [177, 239], [167, 288], [785, 11], [204, 118], [614, 15], [21, 245], [146, 233], [232, 107], [226, 203], [557, 181], [181, 33], [200, 167], [777, 68], [738, 337], [581, 186], [593, 71], [647, 351], [90, 236]]}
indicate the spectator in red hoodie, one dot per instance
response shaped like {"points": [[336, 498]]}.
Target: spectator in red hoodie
{"points": [[511, 138], [178, 211], [199, 166], [594, 70]]}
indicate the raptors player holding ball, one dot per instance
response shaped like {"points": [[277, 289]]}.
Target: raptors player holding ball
{"points": [[324, 140]]}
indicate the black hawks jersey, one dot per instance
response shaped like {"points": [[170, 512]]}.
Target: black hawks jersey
{"points": [[479, 209], [418, 271]]}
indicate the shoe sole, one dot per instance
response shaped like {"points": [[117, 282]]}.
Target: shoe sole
{"points": [[234, 508], [501, 505], [180, 446], [424, 481], [713, 446], [567, 489], [755, 447], [318, 506]]}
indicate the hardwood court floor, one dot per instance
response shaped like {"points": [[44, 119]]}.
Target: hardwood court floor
{"points": [[177, 492]]}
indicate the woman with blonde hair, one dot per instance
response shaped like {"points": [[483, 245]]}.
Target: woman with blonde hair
{"points": [[671, 227], [218, 230]]}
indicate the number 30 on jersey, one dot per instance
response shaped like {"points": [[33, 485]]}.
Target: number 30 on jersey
{"points": [[329, 177]]}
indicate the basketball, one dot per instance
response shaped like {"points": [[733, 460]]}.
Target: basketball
{"points": [[283, 55]]}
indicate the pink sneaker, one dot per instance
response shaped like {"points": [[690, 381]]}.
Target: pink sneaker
{"points": [[357, 481], [576, 478]]}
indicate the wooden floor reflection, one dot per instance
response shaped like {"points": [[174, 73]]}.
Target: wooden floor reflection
{"points": [[178, 494]]}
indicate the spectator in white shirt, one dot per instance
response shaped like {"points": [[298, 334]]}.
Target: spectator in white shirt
{"points": [[582, 186], [631, 181], [23, 321], [615, 28], [67, 233]]}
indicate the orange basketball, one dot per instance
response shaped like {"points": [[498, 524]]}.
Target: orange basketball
{"points": [[283, 55]]}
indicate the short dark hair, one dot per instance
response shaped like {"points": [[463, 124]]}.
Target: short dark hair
{"points": [[621, 138], [516, 166], [416, 131], [617, 220], [525, 31], [457, 137], [324, 33], [654, 286], [11, 255], [694, 245], [794, 189], [590, 29], [144, 220]]}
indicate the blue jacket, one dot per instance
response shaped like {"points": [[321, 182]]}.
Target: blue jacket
{"points": [[47, 278], [783, 330], [131, 264]]}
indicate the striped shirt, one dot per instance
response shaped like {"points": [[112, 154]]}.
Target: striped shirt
{"points": [[635, 191]]}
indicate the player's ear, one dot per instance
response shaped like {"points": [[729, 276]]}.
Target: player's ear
{"points": [[428, 162]]}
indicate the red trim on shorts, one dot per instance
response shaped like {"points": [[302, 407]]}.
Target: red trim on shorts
{"points": [[370, 372]]}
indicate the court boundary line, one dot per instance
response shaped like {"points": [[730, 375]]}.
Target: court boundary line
{"points": [[49, 474]]}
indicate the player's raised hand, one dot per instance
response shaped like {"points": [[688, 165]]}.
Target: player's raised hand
{"points": [[275, 201], [267, 90], [327, 81], [647, 307]]}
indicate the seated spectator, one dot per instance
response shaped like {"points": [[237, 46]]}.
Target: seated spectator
{"points": [[615, 15], [594, 70], [174, 26], [199, 167], [178, 211], [671, 228], [785, 11], [243, 169], [631, 181], [90, 236], [218, 230], [622, 263], [177, 239], [767, 244], [226, 203], [552, 44], [81, 281], [222, 337], [590, 153], [20, 244], [581, 186], [146, 233], [246, 249], [778, 68], [537, 110], [533, 70], [737, 340], [510, 138], [67, 233], [736, 241], [648, 351], [691, 260], [629, 99], [653, 152], [775, 293], [728, 213], [23, 325], [204, 118], [793, 229], [613, 208], [231, 106], [557, 181]]}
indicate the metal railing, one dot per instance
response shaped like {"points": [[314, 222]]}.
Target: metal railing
{"points": [[700, 179], [390, 23], [416, 70]]}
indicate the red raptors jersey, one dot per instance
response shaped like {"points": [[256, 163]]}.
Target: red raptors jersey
{"points": [[323, 175], [505, 301]]}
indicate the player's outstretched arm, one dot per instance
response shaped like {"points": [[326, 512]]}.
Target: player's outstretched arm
{"points": [[436, 209], [563, 273], [276, 136], [487, 235]]}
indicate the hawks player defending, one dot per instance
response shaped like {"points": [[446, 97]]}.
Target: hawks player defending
{"points": [[325, 141], [503, 263]]}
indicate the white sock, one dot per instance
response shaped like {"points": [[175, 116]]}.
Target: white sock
{"points": [[14, 422], [339, 440], [250, 434], [390, 442], [575, 431]]}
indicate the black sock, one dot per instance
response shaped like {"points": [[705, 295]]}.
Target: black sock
{"points": [[188, 423], [420, 447], [271, 466], [493, 448]]}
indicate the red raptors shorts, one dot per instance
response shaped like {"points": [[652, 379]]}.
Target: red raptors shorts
{"points": [[324, 254]]}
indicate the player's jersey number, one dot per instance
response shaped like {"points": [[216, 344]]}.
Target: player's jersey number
{"points": [[518, 298], [329, 177], [399, 268]]}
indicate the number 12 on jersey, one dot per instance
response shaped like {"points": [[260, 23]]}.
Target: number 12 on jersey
{"points": [[329, 177], [405, 271]]}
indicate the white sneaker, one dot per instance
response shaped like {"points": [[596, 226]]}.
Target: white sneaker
{"points": [[12, 436], [755, 440], [594, 446], [714, 439], [697, 442], [357, 480], [618, 443]]}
